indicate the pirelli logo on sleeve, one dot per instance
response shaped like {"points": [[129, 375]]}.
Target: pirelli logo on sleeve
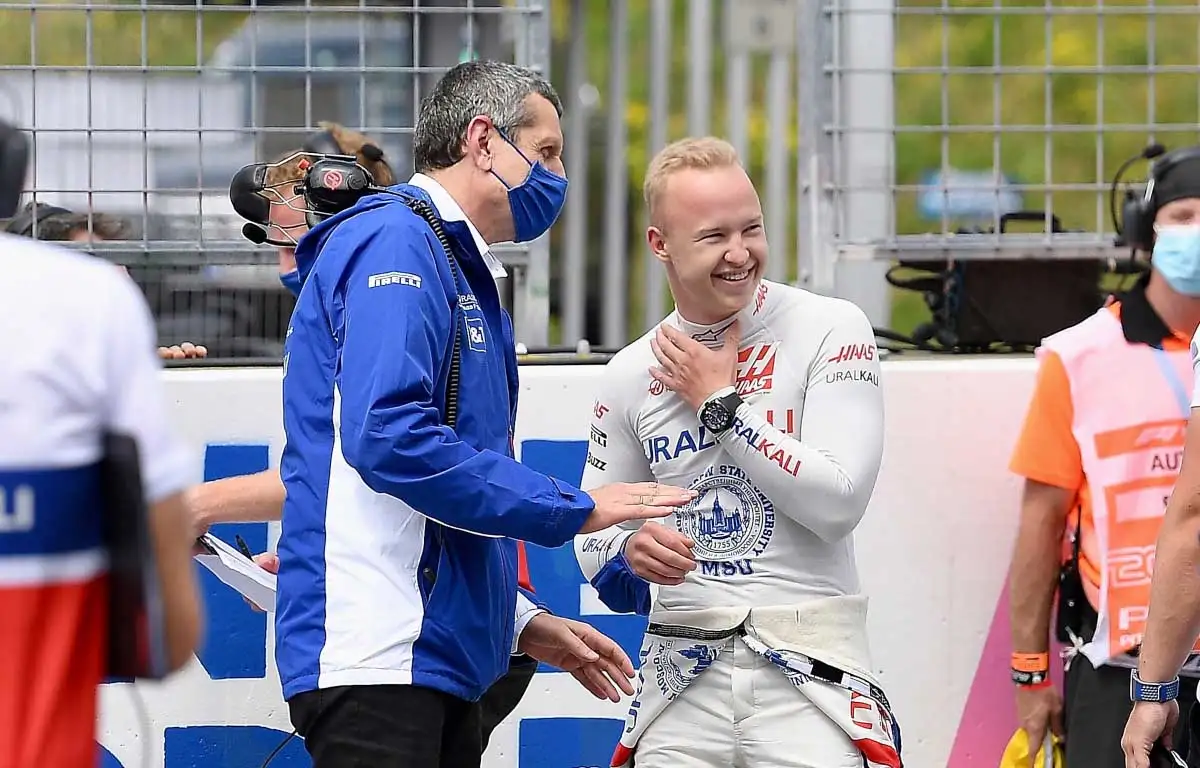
{"points": [[599, 437], [394, 278]]}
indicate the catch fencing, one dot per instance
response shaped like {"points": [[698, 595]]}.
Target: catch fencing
{"points": [[143, 111], [875, 130]]}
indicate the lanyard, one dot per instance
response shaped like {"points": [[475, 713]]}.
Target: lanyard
{"points": [[1173, 381]]}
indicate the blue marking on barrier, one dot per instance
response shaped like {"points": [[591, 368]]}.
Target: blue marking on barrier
{"points": [[235, 638], [567, 742], [554, 572], [235, 643], [108, 759], [231, 746]]}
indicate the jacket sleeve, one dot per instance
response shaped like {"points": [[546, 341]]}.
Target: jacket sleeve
{"points": [[826, 476], [393, 336], [614, 456]]}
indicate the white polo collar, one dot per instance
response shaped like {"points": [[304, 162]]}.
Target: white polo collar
{"points": [[450, 210]]}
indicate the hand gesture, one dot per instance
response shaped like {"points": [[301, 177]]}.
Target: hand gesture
{"points": [[1039, 710], [690, 369], [1149, 722], [659, 554], [593, 659], [185, 351], [621, 502]]}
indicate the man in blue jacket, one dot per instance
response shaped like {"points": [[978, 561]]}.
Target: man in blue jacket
{"points": [[398, 602]]}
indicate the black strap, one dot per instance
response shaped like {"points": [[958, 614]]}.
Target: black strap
{"points": [[425, 211]]}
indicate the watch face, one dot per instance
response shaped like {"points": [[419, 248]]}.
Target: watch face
{"points": [[715, 417]]}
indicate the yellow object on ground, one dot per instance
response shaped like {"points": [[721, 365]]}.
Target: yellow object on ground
{"points": [[1016, 754]]}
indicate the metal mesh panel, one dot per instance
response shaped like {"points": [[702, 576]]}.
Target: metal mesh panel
{"points": [[143, 111], [1000, 107]]}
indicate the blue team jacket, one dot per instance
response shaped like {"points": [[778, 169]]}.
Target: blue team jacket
{"points": [[396, 562]]}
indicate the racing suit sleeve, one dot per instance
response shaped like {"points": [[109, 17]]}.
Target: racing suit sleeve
{"points": [[828, 474], [614, 456], [393, 341]]}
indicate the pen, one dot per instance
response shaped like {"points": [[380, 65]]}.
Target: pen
{"points": [[245, 550]]}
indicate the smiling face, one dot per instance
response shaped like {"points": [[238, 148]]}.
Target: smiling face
{"points": [[707, 228]]}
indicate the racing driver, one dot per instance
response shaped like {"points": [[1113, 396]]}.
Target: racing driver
{"points": [[765, 400]]}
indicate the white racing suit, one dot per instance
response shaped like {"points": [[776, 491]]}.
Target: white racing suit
{"points": [[760, 657]]}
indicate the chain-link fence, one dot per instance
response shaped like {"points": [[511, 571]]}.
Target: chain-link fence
{"points": [[939, 118], [874, 130], [143, 111]]}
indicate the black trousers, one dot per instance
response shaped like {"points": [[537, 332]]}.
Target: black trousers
{"points": [[403, 726], [504, 696], [1095, 708]]}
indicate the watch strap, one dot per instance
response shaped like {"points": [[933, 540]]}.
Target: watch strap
{"points": [[723, 392], [1140, 690]]}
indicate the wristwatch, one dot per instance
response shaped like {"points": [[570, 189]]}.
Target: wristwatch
{"points": [[717, 412], [1139, 690]]}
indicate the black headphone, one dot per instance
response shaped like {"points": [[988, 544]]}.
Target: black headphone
{"points": [[337, 180], [23, 223], [1140, 206]]}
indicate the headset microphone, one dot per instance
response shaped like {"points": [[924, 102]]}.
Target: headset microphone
{"points": [[1135, 229], [254, 234]]}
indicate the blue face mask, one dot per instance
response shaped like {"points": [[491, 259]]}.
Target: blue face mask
{"points": [[1177, 257], [536, 202], [291, 281]]}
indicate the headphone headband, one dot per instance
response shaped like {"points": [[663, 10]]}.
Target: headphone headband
{"points": [[1138, 210], [23, 223]]}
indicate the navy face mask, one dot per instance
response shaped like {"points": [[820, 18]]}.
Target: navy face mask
{"points": [[536, 202]]}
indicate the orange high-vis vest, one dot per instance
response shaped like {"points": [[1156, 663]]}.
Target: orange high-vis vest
{"points": [[1131, 405], [523, 567]]}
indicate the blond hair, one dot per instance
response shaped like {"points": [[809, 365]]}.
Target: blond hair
{"points": [[350, 142], [691, 153]]}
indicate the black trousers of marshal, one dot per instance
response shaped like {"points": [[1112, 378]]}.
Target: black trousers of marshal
{"points": [[403, 726]]}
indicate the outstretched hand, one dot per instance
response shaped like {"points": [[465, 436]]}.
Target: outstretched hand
{"points": [[621, 502], [593, 659]]}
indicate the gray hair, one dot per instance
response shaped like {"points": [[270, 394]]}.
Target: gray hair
{"points": [[492, 88]]}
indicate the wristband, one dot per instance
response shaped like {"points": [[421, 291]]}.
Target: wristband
{"points": [[1031, 670], [1140, 690]]}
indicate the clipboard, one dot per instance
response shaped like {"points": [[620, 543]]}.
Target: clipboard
{"points": [[237, 571]]}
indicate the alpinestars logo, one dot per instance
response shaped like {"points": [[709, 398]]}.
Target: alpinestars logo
{"points": [[756, 369], [713, 337]]}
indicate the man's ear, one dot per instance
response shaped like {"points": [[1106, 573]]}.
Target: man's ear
{"points": [[479, 132], [658, 243]]}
